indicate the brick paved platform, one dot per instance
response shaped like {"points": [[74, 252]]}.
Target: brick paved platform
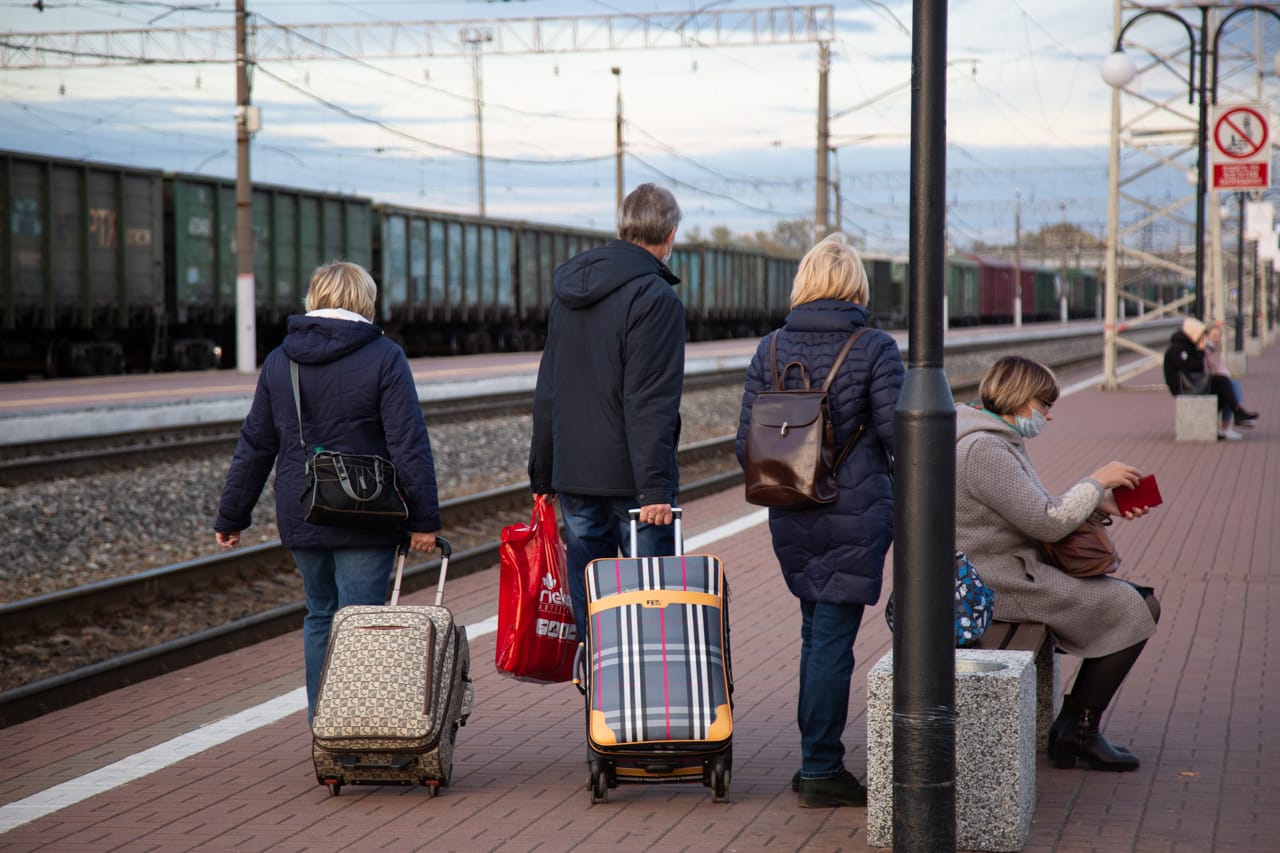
{"points": [[1194, 708]]}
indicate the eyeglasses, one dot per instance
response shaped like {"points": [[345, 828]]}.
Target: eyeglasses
{"points": [[1045, 408]]}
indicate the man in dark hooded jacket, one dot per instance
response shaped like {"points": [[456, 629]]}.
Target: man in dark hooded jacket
{"points": [[606, 412]]}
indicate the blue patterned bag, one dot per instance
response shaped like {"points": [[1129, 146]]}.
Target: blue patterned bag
{"points": [[975, 602]]}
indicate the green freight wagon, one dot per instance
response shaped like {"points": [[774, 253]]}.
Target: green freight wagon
{"points": [[81, 284], [294, 231]]}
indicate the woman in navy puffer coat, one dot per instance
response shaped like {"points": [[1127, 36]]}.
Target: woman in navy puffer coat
{"points": [[832, 555], [357, 396]]}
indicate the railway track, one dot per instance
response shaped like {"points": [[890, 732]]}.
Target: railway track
{"points": [[80, 456], [473, 520]]}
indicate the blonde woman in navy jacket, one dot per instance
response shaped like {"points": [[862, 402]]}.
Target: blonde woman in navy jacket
{"points": [[358, 396], [832, 555]]}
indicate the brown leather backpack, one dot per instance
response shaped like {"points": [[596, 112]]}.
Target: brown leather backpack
{"points": [[791, 456]]}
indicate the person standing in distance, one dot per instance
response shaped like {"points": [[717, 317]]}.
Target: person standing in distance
{"points": [[606, 411]]}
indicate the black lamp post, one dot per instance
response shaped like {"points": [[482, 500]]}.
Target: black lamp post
{"points": [[1118, 70]]}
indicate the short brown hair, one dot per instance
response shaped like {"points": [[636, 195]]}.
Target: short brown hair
{"points": [[649, 213], [830, 270], [1014, 381], [342, 284]]}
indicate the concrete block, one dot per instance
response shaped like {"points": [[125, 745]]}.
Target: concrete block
{"points": [[1196, 417], [1048, 696], [1237, 363], [995, 750]]}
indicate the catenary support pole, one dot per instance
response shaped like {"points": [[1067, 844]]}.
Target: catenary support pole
{"points": [[1240, 279], [924, 715], [821, 218], [246, 324], [617, 133], [1202, 154]]}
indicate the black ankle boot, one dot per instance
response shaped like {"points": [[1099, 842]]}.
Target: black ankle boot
{"points": [[1085, 743], [1067, 718]]}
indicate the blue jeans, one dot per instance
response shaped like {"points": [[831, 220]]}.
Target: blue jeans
{"points": [[827, 633], [333, 579], [600, 527]]}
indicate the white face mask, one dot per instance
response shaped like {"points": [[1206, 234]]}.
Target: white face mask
{"points": [[1029, 427]]}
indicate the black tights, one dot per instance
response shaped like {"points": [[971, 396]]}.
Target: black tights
{"points": [[1100, 678]]}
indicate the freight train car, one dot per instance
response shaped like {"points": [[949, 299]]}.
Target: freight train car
{"points": [[1040, 288], [886, 289], [294, 232], [732, 292], [107, 269], [1084, 301], [451, 283], [82, 279]]}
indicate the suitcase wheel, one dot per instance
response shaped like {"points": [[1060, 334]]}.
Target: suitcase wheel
{"points": [[334, 786], [599, 783], [720, 789], [716, 776]]}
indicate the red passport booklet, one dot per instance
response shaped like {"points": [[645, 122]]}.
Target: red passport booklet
{"points": [[1145, 494]]}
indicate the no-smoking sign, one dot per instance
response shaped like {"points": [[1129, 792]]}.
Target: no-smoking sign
{"points": [[1240, 147]]}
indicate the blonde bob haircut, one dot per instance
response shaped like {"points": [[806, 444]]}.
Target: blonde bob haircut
{"points": [[1013, 382], [342, 284], [830, 270]]}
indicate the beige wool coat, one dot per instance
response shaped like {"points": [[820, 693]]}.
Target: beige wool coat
{"points": [[1002, 510]]}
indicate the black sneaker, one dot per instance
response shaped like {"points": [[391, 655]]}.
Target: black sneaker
{"points": [[842, 790], [795, 781]]}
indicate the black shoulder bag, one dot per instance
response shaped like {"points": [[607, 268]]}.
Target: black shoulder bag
{"points": [[348, 489]]}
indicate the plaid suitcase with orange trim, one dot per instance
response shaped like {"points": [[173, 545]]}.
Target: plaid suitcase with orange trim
{"points": [[656, 672]]}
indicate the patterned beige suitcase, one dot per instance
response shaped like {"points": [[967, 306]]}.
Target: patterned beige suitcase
{"points": [[395, 689]]}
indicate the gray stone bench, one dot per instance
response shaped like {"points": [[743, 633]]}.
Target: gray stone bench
{"points": [[1006, 698], [1196, 417], [1031, 637]]}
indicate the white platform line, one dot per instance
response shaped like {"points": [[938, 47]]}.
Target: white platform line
{"points": [[150, 760], [160, 756]]}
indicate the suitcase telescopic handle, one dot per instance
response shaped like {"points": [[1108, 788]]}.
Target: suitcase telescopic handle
{"points": [[676, 513], [580, 668], [402, 552]]}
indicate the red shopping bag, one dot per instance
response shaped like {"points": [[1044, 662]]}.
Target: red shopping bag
{"points": [[536, 633]]}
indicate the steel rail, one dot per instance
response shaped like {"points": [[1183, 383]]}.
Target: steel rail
{"points": [[59, 691], [24, 463]]}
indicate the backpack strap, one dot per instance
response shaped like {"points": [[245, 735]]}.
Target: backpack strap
{"points": [[773, 364], [844, 350], [857, 434]]}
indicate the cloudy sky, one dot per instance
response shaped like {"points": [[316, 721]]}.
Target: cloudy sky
{"points": [[732, 128]]}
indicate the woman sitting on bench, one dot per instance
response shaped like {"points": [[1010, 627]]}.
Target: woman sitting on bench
{"points": [[1003, 512], [1187, 371]]}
